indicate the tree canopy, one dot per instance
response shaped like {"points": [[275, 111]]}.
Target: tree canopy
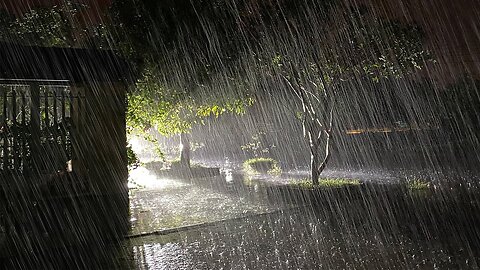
{"points": [[170, 93], [200, 59]]}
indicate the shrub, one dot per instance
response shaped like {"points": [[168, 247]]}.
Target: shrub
{"points": [[325, 183], [418, 184], [262, 165], [132, 160]]}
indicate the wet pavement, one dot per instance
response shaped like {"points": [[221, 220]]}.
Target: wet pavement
{"points": [[163, 204], [375, 234], [294, 240]]}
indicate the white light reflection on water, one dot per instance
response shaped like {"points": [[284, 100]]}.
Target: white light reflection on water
{"points": [[162, 256], [147, 179]]}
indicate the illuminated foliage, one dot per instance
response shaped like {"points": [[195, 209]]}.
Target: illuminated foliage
{"points": [[171, 110]]}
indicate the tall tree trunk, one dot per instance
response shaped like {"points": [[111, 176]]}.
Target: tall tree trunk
{"points": [[317, 124], [314, 167], [317, 167], [327, 155], [185, 150]]}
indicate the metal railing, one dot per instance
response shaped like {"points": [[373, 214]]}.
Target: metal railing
{"points": [[36, 125]]}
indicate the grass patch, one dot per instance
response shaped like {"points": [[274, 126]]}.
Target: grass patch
{"points": [[418, 184], [325, 183], [262, 165]]}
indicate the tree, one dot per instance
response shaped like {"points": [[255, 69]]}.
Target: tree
{"points": [[182, 54], [179, 69], [172, 110], [320, 58], [153, 37], [315, 49], [56, 25]]}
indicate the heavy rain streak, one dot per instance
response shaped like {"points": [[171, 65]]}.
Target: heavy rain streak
{"points": [[239, 134]]}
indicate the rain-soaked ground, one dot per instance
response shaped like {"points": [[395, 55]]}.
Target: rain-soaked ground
{"points": [[242, 228], [165, 203], [294, 240], [235, 221]]}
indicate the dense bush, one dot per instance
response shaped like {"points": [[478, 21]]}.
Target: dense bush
{"points": [[262, 165]]}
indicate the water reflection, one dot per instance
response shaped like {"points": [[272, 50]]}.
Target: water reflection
{"points": [[246, 228], [296, 241], [141, 177], [376, 231], [162, 257], [176, 203]]}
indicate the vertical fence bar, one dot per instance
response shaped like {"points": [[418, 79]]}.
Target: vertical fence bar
{"points": [[47, 148], [24, 131], [64, 125], [47, 118], [4, 127], [5, 131], [35, 126], [72, 127], [15, 151], [55, 117], [59, 154]]}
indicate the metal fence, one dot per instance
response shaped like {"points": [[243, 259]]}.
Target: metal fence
{"points": [[36, 126]]}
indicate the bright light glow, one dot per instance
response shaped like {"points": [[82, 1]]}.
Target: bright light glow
{"points": [[147, 179], [228, 175], [136, 144], [69, 166], [143, 149]]}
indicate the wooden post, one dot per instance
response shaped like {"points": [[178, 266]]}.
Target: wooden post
{"points": [[104, 145], [105, 134]]}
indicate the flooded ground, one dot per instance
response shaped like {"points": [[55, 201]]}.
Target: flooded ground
{"points": [[235, 221], [416, 231], [295, 240], [165, 203]]}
